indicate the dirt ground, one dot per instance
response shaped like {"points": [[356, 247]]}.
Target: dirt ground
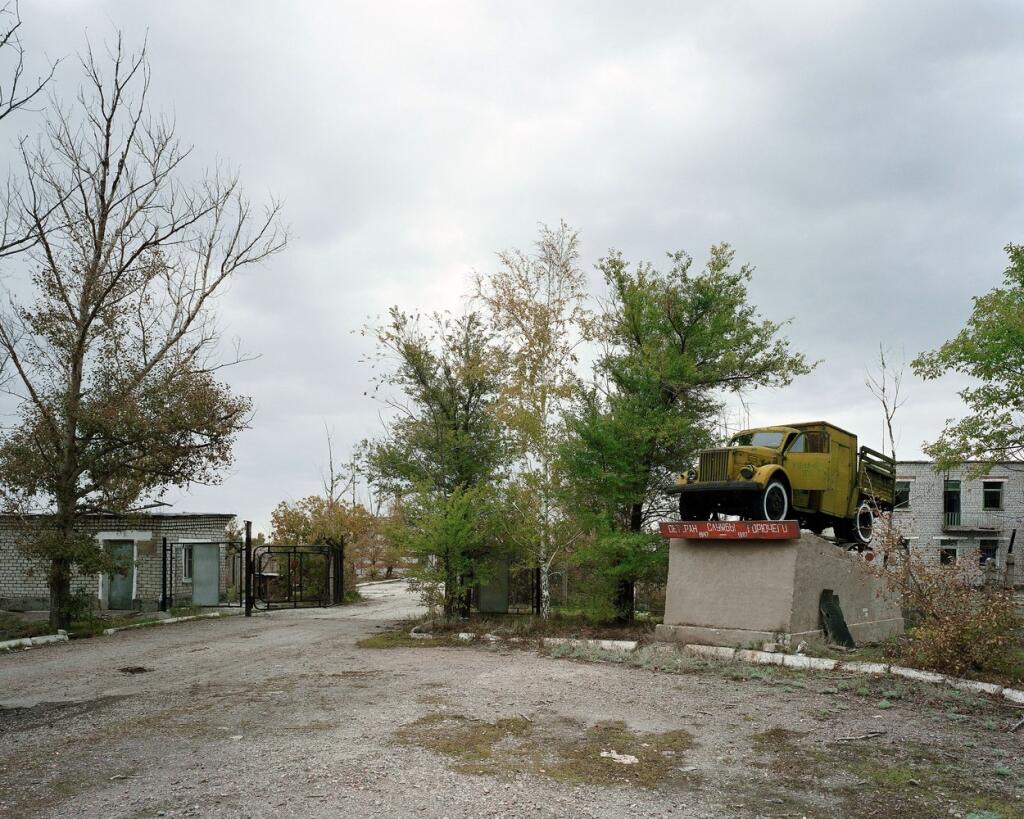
{"points": [[284, 715]]}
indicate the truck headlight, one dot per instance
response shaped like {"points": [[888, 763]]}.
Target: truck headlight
{"points": [[691, 475], [747, 471]]}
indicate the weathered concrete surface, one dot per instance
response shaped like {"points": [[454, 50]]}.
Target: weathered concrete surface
{"points": [[742, 592], [285, 715]]}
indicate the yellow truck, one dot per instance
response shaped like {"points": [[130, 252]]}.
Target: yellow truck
{"points": [[811, 472]]}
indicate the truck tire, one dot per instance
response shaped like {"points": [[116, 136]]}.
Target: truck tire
{"points": [[774, 501], [860, 528], [692, 511]]}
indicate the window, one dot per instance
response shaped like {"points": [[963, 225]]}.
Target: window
{"points": [[991, 494], [947, 552], [989, 549], [810, 442], [186, 562], [902, 499], [951, 503], [772, 440]]}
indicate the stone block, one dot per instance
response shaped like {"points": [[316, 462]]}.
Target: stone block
{"points": [[748, 592]]}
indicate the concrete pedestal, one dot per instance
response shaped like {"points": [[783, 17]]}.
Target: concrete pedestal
{"points": [[747, 592]]}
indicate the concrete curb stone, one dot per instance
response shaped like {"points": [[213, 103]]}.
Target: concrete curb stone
{"points": [[800, 661]]}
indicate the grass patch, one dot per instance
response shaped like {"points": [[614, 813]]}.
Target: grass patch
{"points": [[573, 624], [563, 750], [16, 627], [399, 638], [876, 777]]}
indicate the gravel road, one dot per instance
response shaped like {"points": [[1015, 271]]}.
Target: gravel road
{"points": [[284, 715]]}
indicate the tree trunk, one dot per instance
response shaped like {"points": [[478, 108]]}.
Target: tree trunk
{"points": [[545, 591], [60, 593], [545, 569], [624, 594], [450, 585]]}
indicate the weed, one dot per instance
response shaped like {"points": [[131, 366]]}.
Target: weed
{"points": [[401, 639], [563, 750]]}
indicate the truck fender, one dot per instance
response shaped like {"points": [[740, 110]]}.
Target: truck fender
{"points": [[765, 474]]}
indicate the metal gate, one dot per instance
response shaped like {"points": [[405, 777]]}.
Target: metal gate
{"points": [[300, 576]]}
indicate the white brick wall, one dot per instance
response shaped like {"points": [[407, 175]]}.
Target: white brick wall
{"points": [[23, 579], [924, 521]]}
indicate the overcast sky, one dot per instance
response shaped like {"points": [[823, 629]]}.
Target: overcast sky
{"points": [[866, 158]]}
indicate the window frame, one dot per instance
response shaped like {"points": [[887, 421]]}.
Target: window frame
{"points": [[992, 486], [994, 556], [186, 563], [896, 505], [949, 546]]}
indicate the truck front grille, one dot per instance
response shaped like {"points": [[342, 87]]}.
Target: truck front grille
{"points": [[714, 465]]}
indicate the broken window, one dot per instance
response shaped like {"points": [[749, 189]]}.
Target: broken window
{"points": [[902, 499], [989, 549], [947, 552], [992, 495], [951, 503]]}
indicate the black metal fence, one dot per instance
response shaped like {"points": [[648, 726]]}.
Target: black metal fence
{"points": [[240, 574], [297, 576], [569, 589]]}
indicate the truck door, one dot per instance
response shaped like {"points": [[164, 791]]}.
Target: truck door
{"points": [[807, 464], [842, 477]]}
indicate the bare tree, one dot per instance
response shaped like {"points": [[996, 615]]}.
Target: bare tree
{"points": [[115, 360], [15, 93], [885, 383]]}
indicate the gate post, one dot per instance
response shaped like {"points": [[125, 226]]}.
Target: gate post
{"points": [[163, 576], [339, 573], [248, 568]]}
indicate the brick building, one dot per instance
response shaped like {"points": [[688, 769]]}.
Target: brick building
{"points": [[951, 516], [200, 565]]}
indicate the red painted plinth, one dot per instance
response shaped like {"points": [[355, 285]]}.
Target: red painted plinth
{"points": [[732, 529]]}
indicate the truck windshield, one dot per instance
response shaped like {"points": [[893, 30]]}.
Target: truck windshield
{"points": [[772, 440]]}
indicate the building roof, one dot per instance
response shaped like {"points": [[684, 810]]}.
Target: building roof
{"points": [[113, 516]]}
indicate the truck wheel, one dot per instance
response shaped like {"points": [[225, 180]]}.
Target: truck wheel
{"points": [[858, 529], [775, 501], [691, 511], [864, 523]]}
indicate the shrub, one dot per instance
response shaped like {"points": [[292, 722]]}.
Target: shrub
{"points": [[956, 623]]}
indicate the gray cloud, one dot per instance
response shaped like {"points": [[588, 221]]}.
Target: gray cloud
{"points": [[863, 156]]}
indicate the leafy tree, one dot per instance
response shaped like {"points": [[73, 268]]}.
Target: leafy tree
{"points": [[114, 360], [990, 350], [316, 519], [676, 344], [454, 541], [537, 304], [444, 444]]}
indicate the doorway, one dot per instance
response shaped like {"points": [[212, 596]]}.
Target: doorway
{"points": [[205, 574], [119, 581]]}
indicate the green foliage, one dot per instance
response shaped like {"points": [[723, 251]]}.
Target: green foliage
{"points": [[614, 557], [446, 434], [990, 349], [443, 450], [676, 344], [454, 541]]}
